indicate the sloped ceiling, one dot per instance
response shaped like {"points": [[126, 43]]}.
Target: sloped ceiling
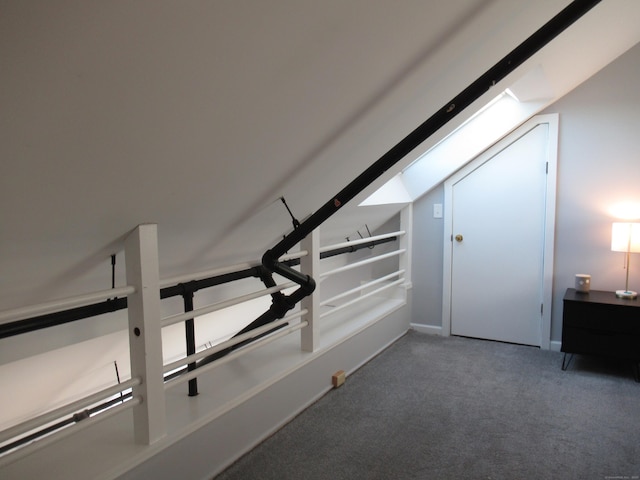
{"points": [[199, 116]]}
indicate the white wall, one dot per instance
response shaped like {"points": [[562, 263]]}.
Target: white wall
{"points": [[197, 116], [597, 167]]}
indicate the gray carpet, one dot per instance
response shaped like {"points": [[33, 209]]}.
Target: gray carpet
{"points": [[430, 407]]}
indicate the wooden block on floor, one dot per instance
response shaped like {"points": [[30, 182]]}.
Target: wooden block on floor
{"points": [[338, 378]]}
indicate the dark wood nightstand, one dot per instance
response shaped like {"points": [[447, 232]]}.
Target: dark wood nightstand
{"points": [[599, 323]]}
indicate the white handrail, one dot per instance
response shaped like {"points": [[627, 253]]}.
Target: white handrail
{"points": [[68, 409], [292, 256], [232, 341], [214, 307], [214, 272], [58, 305], [363, 262], [59, 435], [361, 287], [232, 356], [361, 241], [358, 299]]}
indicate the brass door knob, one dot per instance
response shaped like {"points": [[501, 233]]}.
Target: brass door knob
{"points": [[459, 238]]}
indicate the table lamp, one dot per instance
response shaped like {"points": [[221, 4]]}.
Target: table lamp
{"points": [[625, 237]]}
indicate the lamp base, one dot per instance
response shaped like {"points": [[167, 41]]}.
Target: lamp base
{"points": [[626, 294]]}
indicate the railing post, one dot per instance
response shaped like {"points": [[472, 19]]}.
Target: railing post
{"points": [[145, 338], [406, 240], [310, 265]]}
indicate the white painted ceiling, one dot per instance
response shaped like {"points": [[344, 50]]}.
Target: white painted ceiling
{"points": [[199, 116]]}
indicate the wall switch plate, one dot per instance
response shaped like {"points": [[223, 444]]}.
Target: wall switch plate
{"points": [[437, 210]]}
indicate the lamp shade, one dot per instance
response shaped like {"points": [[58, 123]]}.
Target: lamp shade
{"points": [[625, 237]]}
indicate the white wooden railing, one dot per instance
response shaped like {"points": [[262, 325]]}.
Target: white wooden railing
{"points": [[145, 331]]}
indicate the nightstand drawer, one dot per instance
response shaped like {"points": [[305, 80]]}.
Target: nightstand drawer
{"points": [[601, 342], [602, 317], [599, 323]]}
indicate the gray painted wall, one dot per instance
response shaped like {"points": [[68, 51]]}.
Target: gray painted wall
{"points": [[427, 259], [598, 167]]}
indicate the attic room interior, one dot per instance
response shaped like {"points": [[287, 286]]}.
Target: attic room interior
{"points": [[165, 147]]}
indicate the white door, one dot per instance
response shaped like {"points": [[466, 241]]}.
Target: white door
{"points": [[497, 225]]}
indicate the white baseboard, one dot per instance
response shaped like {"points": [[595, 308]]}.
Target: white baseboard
{"points": [[555, 345], [428, 329]]}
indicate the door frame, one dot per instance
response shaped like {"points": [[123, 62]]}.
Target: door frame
{"points": [[552, 121]]}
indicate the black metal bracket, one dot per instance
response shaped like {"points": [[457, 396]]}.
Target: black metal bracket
{"points": [[113, 272], [294, 220], [371, 247]]}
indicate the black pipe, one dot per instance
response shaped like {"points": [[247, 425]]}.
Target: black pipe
{"points": [[475, 90], [32, 324], [40, 322], [279, 307], [36, 435], [354, 248], [75, 418], [190, 336], [214, 281], [343, 250], [264, 319]]}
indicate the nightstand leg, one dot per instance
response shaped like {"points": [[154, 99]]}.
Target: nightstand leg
{"points": [[636, 371], [565, 362]]}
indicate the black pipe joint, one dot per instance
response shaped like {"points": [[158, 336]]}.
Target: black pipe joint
{"points": [[188, 288], [271, 263], [280, 305]]}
